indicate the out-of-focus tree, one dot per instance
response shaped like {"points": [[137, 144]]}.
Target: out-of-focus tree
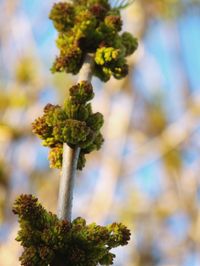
{"points": [[147, 172]]}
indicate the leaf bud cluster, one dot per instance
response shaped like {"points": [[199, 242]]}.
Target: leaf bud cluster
{"points": [[74, 124], [91, 26], [46, 240]]}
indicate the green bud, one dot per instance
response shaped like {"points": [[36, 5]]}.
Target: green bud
{"points": [[40, 128], [120, 72], [46, 254], [27, 208], [70, 62], [55, 157], [53, 114], [98, 10], [107, 259], [95, 121], [62, 15], [81, 92], [106, 55], [130, 43], [75, 131], [114, 22], [102, 74], [119, 234], [94, 145], [30, 257]]}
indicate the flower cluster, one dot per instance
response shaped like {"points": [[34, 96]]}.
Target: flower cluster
{"points": [[74, 124], [91, 26], [50, 241]]}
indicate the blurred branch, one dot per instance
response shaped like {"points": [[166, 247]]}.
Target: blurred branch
{"points": [[175, 134]]}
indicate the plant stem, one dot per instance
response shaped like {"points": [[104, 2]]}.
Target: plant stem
{"points": [[70, 158]]}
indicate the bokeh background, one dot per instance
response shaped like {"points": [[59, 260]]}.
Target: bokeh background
{"points": [[147, 173]]}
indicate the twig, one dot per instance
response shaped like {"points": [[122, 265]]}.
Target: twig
{"points": [[70, 159]]}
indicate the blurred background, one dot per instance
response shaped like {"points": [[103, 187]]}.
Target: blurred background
{"points": [[147, 173]]}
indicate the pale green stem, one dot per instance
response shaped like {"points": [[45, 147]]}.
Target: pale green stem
{"points": [[70, 159]]}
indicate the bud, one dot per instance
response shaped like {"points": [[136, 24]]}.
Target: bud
{"points": [[129, 42]]}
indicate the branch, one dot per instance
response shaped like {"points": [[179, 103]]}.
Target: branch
{"points": [[70, 159], [175, 134]]}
